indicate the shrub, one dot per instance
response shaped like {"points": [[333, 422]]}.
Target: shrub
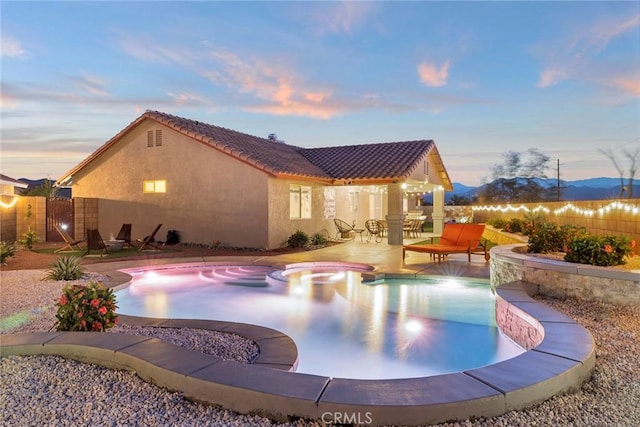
{"points": [[7, 250], [319, 239], [29, 238], [299, 239], [66, 268], [498, 223], [603, 251], [514, 225], [86, 308], [547, 237]]}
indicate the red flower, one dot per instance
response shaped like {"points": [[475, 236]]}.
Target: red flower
{"points": [[608, 249], [83, 323], [115, 320], [80, 314], [96, 326], [95, 302], [102, 310], [63, 300]]}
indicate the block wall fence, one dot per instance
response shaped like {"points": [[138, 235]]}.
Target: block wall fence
{"points": [[14, 222], [599, 217]]}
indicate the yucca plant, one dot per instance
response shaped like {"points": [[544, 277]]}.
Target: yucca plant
{"points": [[66, 268]]}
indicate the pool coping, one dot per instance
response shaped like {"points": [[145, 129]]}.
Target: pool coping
{"points": [[561, 360]]}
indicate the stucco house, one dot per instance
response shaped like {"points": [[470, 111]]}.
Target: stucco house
{"points": [[214, 184]]}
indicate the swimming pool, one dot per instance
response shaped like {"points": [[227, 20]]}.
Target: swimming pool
{"points": [[343, 328]]}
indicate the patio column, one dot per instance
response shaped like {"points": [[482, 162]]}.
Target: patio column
{"points": [[395, 218], [438, 211]]}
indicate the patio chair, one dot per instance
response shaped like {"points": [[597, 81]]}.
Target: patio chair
{"points": [[125, 234], [382, 226], [71, 243], [374, 231], [95, 242], [345, 231], [150, 240]]}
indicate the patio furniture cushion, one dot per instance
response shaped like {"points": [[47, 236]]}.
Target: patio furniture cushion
{"points": [[467, 240]]}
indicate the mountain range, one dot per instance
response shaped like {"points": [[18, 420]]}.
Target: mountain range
{"points": [[601, 188]]}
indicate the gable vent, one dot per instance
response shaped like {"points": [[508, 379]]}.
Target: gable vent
{"points": [[149, 139], [158, 137]]}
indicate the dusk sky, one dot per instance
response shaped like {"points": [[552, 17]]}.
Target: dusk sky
{"points": [[479, 78]]}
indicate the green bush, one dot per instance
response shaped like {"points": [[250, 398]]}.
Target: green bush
{"points": [[514, 225], [66, 268], [603, 251], [498, 223], [7, 250], [86, 308], [547, 237], [29, 238], [319, 239], [299, 239]]}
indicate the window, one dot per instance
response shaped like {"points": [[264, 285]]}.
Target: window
{"points": [[154, 186], [299, 201], [354, 201]]}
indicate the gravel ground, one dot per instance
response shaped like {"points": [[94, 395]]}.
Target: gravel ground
{"points": [[48, 390]]}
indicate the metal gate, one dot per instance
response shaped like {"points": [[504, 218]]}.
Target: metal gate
{"points": [[60, 213]]}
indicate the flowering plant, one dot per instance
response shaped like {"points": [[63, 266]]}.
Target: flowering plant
{"points": [[603, 251], [86, 308]]}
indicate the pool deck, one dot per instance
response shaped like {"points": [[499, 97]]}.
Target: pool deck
{"points": [[561, 358]]}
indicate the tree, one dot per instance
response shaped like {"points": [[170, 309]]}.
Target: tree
{"points": [[47, 189], [459, 200], [633, 157], [517, 179]]}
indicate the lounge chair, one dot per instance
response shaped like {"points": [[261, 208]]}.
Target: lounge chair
{"points": [[150, 240], [345, 231], [71, 243], [95, 242], [125, 234], [456, 238], [373, 230]]}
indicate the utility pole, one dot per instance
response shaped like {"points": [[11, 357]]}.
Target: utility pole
{"points": [[558, 180]]}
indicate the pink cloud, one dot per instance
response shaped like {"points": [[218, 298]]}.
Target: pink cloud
{"points": [[432, 75], [550, 77], [11, 48]]}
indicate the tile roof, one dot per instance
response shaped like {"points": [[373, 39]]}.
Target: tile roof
{"points": [[381, 162], [7, 180]]}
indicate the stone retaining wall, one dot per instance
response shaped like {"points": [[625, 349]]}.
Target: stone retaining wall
{"points": [[563, 279]]}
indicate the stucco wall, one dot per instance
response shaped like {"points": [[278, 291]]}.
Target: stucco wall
{"points": [[211, 197], [337, 201]]}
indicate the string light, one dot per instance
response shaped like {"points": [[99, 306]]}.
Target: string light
{"points": [[11, 204], [509, 208], [626, 207]]}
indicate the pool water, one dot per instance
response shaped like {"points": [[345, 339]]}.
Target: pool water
{"points": [[342, 327]]}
